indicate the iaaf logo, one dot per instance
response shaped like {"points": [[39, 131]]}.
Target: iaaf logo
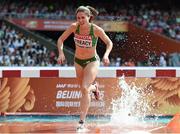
{"points": [[64, 85], [67, 85], [61, 85]]}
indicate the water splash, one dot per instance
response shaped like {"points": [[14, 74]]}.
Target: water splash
{"points": [[132, 106]]}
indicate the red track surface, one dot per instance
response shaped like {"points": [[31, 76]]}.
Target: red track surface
{"points": [[69, 128]]}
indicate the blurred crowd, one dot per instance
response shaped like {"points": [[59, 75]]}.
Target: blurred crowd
{"points": [[18, 50], [161, 60], [158, 21], [150, 16]]}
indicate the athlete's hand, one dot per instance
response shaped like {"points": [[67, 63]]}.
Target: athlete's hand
{"points": [[106, 60], [61, 58]]}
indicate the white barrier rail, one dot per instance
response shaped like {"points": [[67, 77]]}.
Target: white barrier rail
{"points": [[104, 72]]}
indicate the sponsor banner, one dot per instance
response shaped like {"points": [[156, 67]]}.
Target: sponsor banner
{"points": [[61, 25], [63, 95], [56, 95], [38, 24], [113, 26]]}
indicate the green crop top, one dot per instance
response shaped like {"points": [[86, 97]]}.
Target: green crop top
{"points": [[85, 41]]}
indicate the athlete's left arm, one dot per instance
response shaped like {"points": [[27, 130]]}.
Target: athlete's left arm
{"points": [[99, 32]]}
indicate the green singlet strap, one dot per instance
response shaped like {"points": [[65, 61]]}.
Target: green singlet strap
{"points": [[92, 30], [94, 39], [78, 29]]}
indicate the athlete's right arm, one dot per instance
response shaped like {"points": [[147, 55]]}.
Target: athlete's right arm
{"points": [[60, 41]]}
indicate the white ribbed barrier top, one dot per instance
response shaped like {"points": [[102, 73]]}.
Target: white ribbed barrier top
{"points": [[104, 72]]}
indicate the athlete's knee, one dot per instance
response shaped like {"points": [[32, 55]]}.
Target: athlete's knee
{"points": [[85, 88]]}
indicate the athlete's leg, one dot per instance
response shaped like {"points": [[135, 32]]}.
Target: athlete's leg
{"points": [[79, 76], [79, 73], [89, 76]]}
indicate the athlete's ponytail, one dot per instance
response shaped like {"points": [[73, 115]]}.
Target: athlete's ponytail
{"points": [[93, 11]]}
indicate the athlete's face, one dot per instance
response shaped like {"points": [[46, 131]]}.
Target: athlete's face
{"points": [[82, 18]]}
